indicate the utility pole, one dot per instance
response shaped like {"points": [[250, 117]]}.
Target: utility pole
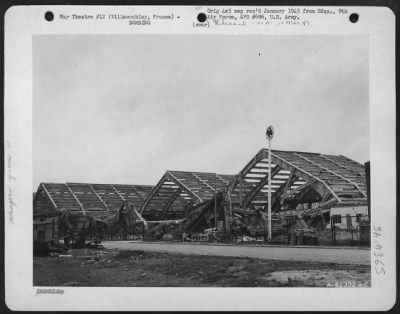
{"points": [[215, 203], [269, 133]]}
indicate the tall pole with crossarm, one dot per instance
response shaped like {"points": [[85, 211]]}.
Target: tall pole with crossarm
{"points": [[269, 134]]}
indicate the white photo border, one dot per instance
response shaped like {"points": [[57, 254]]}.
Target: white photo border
{"points": [[24, 22]]}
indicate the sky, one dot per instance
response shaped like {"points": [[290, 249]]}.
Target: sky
{"points": [[123, 109]]}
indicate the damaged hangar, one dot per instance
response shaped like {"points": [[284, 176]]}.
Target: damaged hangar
{"points": [[318, 195]]}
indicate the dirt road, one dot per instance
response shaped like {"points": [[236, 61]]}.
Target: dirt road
{"points": [[312, 254]]}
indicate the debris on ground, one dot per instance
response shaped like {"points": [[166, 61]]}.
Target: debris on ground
{"points": [[313, 278], [123, 268], [96, 257]]}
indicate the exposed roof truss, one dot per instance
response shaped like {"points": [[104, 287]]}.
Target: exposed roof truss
{"points": [[298, 176], [92, 199], [178, 190]]}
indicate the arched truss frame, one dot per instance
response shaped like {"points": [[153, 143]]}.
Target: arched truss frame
{"points": [[329, 179], [178, 191]]}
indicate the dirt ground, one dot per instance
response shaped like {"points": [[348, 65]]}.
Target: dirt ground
{"points": [[156, 269]]}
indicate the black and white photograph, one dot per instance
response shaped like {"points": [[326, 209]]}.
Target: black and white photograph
{"points": [[201, 158], [153, 170]]}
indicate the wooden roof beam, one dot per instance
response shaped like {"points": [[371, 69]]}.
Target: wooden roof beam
{"points": [[118, 193], [319, 185], [170, 202], [153, 192], [184, 186], [259, 186], [299, 189], [342, 165], [275, 200], [226, 182], [137, 192], [48, 195], [336, 174], [253, 162], [99, 197], [168, 176], [76, 198], [213, 189]]}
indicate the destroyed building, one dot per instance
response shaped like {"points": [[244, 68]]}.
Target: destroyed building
{"points": [[312, 193], [312, 189], [65, 210], [195, 197], [99, 200]]}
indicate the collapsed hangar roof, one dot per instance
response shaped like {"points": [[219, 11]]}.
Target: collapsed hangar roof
{"points": [[327, 179], [87, 198], [177, 190]]}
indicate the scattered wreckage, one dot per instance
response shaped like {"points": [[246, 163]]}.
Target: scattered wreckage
{"points": [[316, 199]]}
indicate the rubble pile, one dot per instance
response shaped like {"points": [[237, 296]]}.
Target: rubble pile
{"points": [[253, 227]]}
